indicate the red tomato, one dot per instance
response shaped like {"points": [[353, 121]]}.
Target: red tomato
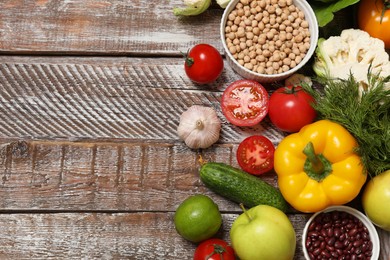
{"points": [[290, 109], [204, 64], [255, 154], [214, 249], [245, 102], [374, 18]]}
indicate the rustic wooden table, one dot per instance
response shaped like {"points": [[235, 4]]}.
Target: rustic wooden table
{"points": [[90, 98]]}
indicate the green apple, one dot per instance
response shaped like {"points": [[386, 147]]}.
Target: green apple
{"points": [[376, 200], [263, 232]]}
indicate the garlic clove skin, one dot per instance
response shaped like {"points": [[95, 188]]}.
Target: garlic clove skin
{"points": [[199, 127]]}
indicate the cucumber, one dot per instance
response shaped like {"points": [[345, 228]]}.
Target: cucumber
{"points": [[241, 187]]}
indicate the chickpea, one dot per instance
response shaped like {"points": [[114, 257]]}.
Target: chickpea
{"points": [[262, 4], [262, 39], [260, 58], [275, 66], [232, 50], [293, 64], [266, 53], [282, 3], [269, 70], [287, 61], [259, 17], [256, 31], [260, 69], [270, 35], [305, 24], [240, 32], [231, 36], [298, 59], [249, 66]]}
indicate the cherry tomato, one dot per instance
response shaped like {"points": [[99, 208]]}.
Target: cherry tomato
{"points": [[203, 64], [374, 18], [290, 108], [245, 103], [255, 154], [214, 249]]}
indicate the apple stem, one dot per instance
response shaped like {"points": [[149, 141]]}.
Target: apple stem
{"points": [[245, 211]]}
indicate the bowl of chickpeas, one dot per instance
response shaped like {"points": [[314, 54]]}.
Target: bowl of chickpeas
{"points": [[268, 40]]}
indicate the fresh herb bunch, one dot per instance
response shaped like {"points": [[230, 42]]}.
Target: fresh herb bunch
{"points": [[365, 114]]}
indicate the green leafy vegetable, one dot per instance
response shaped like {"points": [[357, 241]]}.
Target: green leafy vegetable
{"points": [[223, 3], [193, 7], [365, 114], [325, 9]]}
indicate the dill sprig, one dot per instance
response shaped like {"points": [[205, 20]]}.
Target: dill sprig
{"points": [[364, 113]]}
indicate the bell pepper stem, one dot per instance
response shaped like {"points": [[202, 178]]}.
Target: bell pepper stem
{"points": [[316, 164]]}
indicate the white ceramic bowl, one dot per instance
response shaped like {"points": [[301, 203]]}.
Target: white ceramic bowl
{"points": [[371, 229], [265, 78]]}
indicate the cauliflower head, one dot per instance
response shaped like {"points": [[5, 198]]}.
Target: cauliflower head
{"points": [[354, 53]]}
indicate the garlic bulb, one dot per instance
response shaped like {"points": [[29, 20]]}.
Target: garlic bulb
{"points": [[199, 127]]}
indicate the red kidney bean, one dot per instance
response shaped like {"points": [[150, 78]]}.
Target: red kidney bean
{"points": [[338, 235]]}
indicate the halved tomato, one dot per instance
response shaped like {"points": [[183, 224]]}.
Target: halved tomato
{"points": [[255, 154], [245, 102]]}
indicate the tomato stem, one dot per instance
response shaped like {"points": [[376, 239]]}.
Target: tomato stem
{"points": [[386, 6], [189, 61], [218, 249], [291, 89]]}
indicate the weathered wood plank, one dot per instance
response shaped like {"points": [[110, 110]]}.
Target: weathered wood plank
{"points": [[102, 27], [143, 235], [106, 98], [69, 176]]}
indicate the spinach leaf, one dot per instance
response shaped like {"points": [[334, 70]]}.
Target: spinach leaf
{"points": [[325, 9]]}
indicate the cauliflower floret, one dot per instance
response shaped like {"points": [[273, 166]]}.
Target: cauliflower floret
{"points": [[353, 52], [193, 7]]}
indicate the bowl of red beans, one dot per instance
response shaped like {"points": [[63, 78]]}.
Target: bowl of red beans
{"points": [[268, 40], [340, 232]]}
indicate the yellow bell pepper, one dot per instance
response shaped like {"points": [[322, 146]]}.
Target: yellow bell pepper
{"points": [[318, 167]]}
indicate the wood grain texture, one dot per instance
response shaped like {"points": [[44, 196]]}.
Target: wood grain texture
{"points": [[69, 176], [145, 235], [127, 98], [90, 97], [90, 27]]}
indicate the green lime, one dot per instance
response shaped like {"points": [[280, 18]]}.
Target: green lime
{"points": [[197, 218]]}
